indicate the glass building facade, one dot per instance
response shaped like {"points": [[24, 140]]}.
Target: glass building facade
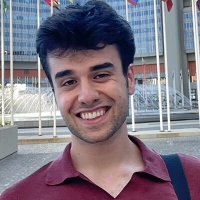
{"points": [[188, 29], [141, 19]]}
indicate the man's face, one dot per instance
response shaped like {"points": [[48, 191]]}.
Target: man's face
{"points": [[91, 92]]}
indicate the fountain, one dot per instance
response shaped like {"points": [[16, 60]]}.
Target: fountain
{"points": [[26, 98], [146, 98]]}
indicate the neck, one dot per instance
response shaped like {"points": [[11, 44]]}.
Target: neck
{"points": [[117, 150]]}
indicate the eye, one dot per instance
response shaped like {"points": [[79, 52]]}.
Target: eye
{"points": [[102, 75], [69, 82]]}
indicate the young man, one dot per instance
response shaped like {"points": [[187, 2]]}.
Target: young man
{"points": [[86, 52]]}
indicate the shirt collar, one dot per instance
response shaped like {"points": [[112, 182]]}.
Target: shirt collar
{"points": [[62, 168], [154, 164]]}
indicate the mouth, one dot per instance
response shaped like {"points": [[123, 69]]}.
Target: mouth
{"points": [[93, 114]]}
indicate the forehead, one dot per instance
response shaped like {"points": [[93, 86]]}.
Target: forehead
{"points": [[83, 59]]}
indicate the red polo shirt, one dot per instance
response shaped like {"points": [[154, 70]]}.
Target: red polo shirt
{"points": [[58, 180]]}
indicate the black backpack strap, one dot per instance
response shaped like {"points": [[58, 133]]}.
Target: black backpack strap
{"points": [[177, 176]]}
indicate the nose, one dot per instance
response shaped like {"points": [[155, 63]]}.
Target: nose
{"points": [[88, 94]]}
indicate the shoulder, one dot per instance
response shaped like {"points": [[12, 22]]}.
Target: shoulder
{"points": [[191, 167], [26, 186], [190, 163]]}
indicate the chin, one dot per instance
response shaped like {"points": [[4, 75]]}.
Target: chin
{"points": [[92, 139]]}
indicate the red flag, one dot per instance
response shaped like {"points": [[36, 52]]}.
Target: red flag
{"points": [[55, 3], [134, 2], [169, 4]]}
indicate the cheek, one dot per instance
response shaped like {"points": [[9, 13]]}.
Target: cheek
{"points": [[119, 94], [63, 103]]}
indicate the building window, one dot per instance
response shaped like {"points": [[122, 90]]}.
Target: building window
{"points": [[26, 71]]}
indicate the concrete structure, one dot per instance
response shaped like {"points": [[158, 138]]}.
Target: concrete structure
{"points": [[8, 141], [180, 42]]}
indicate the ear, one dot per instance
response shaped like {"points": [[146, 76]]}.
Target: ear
{"points": [[131, 81]]}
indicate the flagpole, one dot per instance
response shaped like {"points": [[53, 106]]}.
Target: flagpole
{"points": [[197, 39], [174, 89], [11, 65], [196, 42], [126, 3], [133, 113], [132, 96], [181, 79], [189, 88], [166, 68], [51, 8], [32, 81], [54, 102], [39, 74], [2, 67], [158, 68]]}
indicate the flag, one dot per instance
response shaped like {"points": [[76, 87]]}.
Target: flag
{"points": [[169, 4], [19, 81], [181, 76], [4, 6], [134, 2], [35, 80], [71, 1], [173, 75], [5, 82], [198, 5], [26, 80], [188, 74], [55, 3]]}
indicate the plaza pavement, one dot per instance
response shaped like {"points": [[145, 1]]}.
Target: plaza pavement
{"points": [[35, 151]]}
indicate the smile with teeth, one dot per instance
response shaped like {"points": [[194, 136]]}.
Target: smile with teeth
{"points": [[92, 115]]}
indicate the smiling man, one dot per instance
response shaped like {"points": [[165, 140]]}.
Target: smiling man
{"points": [[96, 92], [86, 52]]}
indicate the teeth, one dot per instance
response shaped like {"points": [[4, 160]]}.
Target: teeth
{"points": [[92, 115]]}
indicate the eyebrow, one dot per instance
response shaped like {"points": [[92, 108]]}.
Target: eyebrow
{"points": [[102, 66], [93, 68], [63, 73]]}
